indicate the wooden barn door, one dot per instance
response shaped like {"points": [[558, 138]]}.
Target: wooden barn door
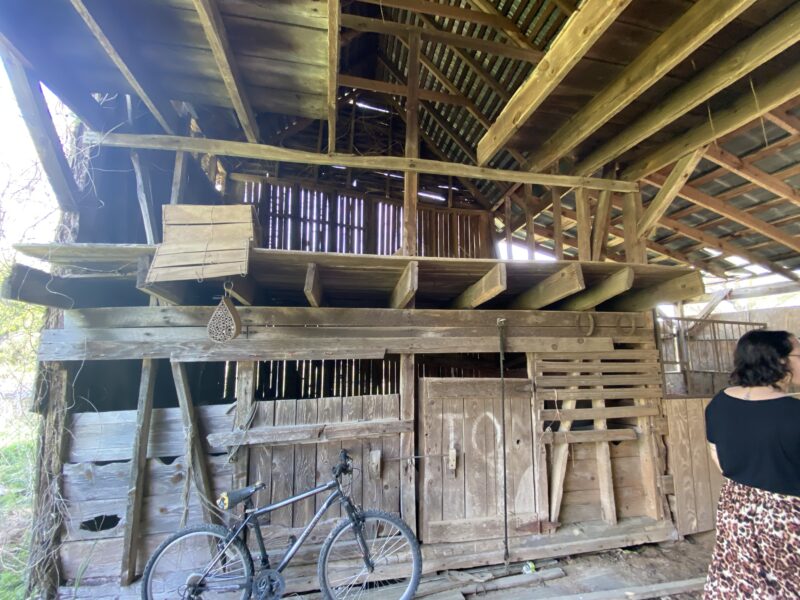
{"points": [[461, 437]]}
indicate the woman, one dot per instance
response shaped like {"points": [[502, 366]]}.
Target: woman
{"points": [[753, 429]]}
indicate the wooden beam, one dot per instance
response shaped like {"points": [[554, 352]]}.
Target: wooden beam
{"points": [[578, 35], [611, 287], [117, 46], [406, 286], [246, 375], [411, 180], [584, 224], [172, 292], [392, 89], [681, 288], [408, 470], [214, 28], [483, 290], [34, 111], [641, 592], [745, 109], [144, 192], [701, 21], [600, 226], [635, 250], [132, 533], [439, 9], [530, 226], [419, 165], [447, 38], [334, 14], [202, 479], [178, 188], [677, 178], [561, 284], [729, 211], [763, 45], [558, 226], [734, 164], [508, 27], [313, 286]]}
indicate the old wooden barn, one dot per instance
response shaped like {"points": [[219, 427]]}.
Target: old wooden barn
{"points": [[392, 195]]}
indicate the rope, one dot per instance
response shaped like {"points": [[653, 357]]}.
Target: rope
{"points": [[501, 331]]}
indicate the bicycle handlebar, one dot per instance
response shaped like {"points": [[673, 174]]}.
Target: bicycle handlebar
{"points": [[345, 466]]}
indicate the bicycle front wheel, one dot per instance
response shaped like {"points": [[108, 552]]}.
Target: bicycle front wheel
{"points": [[393, 551], [195, 563]]}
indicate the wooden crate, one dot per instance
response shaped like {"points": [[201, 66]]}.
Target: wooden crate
{"points": [[200, 260], [199, 223]]}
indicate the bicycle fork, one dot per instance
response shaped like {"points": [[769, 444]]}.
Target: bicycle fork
{"points": [[358, 529]]}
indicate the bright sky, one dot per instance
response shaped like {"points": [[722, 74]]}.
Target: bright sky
{"points": [[28, 210]]}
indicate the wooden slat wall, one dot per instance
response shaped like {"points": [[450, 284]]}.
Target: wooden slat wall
{"points": [[696, 479]]}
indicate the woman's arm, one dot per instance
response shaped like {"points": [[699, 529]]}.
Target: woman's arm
{"points": [[712, 448]]}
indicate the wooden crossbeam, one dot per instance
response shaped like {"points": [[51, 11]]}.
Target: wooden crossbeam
{"points": [[701, 21], [483, 290], [611, 287], [406, 286], [439, 9], [392, 89], [734, 164], [677, 178], [782, 117], [143, 194], [334, 14], [39, 122], [447, 38], [214, 28], [600, 226], [635, 250], [582, 30], [202, 479], [132, 532], [745, 109], [763, 45], [392, 163], [561, 284], [680, 288], [730, 212], [117, 46], [584, 224], [313, 286]]}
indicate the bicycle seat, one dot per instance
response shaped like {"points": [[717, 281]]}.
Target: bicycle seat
{"points": [[230, 499]]}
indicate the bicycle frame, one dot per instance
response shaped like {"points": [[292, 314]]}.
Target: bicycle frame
{"points": [[252, 519]]}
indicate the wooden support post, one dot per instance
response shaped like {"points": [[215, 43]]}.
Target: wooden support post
{"points": [[408, 473], [602, 220], [245, 396], [406, 287], [584, 224], [565, 282], [202, 479], [411, 188], [509, 230], [612, 286], [560, 454], [558, 230], [313, 287], [36, 115], [486, 288], [43, 574], [541, 495], [605, 478], [635, 249], [144, 413], [530, 235], [334, 16], [144, 192]]}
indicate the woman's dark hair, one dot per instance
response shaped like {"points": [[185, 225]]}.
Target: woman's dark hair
{"points": [[761, 358]]}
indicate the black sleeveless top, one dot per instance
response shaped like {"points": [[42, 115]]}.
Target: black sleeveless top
{"points": [[758, 441]]}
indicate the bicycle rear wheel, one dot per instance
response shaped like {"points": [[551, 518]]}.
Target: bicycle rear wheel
{"points": [[392, 548], [192, 564]]}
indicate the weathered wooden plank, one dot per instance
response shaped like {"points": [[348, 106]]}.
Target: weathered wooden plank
{"points": [[580, 437], [283, 463], [408, 470], [432, 471], [313, 286], [453, 471], [245, 413], [611, 287], [704, 507], [565, 282], [406, 286], [353, 410], [684, 287], [372, 456], [486, 288], [329, 411], [305, 463], [680, 461], [138, 470], [392, 463], [538, 449]]}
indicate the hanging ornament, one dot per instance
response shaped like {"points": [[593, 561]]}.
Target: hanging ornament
{"points": [[225, 324]]}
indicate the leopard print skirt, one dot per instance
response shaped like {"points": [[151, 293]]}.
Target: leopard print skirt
{"points": [[757, 552]]}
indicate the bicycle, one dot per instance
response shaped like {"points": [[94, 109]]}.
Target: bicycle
{"points": [[368, 550]]}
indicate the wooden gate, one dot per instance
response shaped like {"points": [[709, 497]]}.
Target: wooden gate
{"points": [[462, 464]]}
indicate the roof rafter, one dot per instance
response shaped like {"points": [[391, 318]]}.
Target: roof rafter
{"points": [[214, 28], [579, 34], [439, 9], [690, 31]]}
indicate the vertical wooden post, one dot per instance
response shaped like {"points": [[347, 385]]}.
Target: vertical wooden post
{"points": [[334, 13], [635, 249], [43, 559], [179, 173], [584, 224], [558, 230], [408, 472], [530, 233], [412, 149], [541, 493], [245, 398], [202, 479], [509, 233], [144, 413]]}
